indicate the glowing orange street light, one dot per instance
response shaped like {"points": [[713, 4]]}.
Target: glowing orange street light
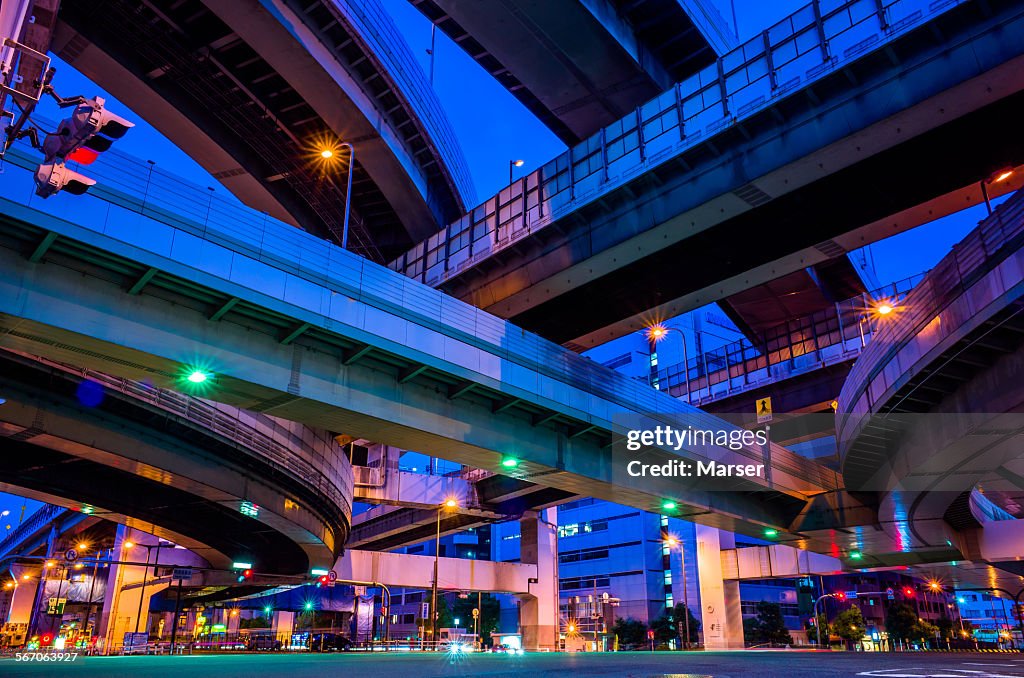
{"points": [[671, 542], [451, 503], [128, 544], [656, 333], [884, 308], [327, 154], [934, 585]]}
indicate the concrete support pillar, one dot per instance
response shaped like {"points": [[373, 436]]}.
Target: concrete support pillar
{"points": [[283, 626], [25, 592], [721, 617], [538, 611]]}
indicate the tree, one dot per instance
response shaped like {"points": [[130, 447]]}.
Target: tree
{"points": [[849, 625], [945, 626], [490, 612], [826, 628], [925, 631], [664, 629], [768, 626], [681, 612], [900, 621], [630, 631]]}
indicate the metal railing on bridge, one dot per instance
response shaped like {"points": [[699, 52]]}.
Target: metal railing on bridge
{"points": [[42, 516], [806, 46], [830, 336]]}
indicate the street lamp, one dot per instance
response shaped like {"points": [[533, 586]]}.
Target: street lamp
{"points": [[449, 504], [996, 177], [672, 542], [512, 164], [328, 155], [882, 308], [657, 333]]}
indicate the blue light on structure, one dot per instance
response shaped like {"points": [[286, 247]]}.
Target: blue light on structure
{"points": [[89, 393]]}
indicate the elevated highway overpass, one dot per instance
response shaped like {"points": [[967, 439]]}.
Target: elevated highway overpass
{"points": [[297, 328], [744, 173], [930, 410], [226, 484]]}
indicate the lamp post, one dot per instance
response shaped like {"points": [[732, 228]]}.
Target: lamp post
{"points": [[672, 541], [450, 503], [657, 333], [994, 178], [512, 164], [881, 309], [329, 154]]}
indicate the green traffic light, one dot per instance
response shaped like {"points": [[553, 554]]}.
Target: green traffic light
{"points": [[668, 505], [856, 555], [198, 376], [769, 532], [509, 462]]}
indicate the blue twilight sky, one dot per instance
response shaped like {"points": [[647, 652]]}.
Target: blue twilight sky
{"points": [[493, 128]]}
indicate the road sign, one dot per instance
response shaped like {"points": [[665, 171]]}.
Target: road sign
{"points": [[424, 610], [476, 612], [850, 595], [890, 594], [764, 410], [332, 577], [71, 555], [182, 573]]}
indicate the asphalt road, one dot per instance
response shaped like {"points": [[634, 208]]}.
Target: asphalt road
{"points": [[791, 664]]}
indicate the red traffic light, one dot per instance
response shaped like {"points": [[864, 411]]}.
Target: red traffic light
{"points": [[908, 592], [840, 596], [47, 639], [322, 580], [247, 573]]}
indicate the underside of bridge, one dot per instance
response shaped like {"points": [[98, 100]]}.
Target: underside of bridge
{"points": [[250, 98]]}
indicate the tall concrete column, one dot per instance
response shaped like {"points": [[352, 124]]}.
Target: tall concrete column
{"points": [[283, 626], [35, 618], [721, 616], [25, 593], [538, 610]]}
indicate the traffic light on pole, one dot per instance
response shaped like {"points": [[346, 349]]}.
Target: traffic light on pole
{"points": [[322, 580], [908, 592], [89, 131], [840, 596]]}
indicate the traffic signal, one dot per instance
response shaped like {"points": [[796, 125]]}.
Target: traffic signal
{"points": [[908, 591], [89, 131], [244, 575], [840, 596], [322, 580], [54, 177], [90, 126]]}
